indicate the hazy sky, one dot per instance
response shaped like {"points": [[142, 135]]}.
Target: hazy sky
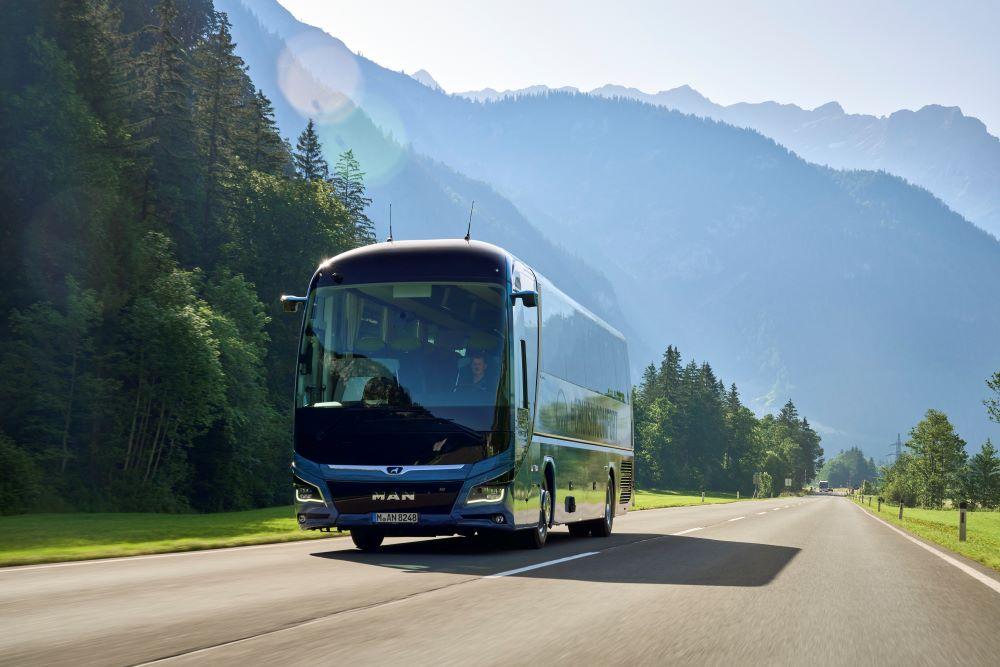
{"points": [[871, 56]]}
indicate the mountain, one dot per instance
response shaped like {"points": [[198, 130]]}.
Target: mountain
{"points": [[936, 147], [491, 95], [864, 296], [424, 77], [430, 199]]}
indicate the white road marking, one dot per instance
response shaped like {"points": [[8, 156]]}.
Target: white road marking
{"points": [[971, 571], [538, 565], [689, 530], [759, 513], [776, 509], [738, 518]]}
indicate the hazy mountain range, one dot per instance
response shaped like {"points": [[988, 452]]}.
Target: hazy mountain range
{"points": [[861, 296], [936, 147]]}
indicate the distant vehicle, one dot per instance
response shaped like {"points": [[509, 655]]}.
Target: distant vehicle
{"points": [[445, 387], [824, 486]]}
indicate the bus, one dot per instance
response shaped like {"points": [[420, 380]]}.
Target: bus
{"points": [[824, 486], [445, 387]]}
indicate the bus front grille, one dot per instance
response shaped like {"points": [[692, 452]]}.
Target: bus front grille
{"points": [[365, 497], [625, 481]]}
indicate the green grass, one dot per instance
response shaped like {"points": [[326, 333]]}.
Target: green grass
{"points": [[649, 500], [941, 527], [48, 538]]}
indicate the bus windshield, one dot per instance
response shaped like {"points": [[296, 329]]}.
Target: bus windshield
{"points": [[422, 364]]}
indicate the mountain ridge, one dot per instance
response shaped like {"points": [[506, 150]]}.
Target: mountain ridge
{"points": [[908, 143]]}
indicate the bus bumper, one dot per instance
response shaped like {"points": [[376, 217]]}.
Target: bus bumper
{"points": [[354, 500]]}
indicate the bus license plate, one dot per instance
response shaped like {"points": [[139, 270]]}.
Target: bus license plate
{"points": [[396, 517]]}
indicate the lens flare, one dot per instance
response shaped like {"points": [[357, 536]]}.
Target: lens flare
{"points": [[318, 78]]}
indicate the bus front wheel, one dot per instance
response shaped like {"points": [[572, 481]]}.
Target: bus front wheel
{"points": [[534, 538], [367, 539]]}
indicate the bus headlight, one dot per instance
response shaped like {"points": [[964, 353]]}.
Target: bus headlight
{"points": [[306, 492], [487, 493]]}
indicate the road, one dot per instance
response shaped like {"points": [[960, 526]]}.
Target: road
{"points": [[783, 581]]}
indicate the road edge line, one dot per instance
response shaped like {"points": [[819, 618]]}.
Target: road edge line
{"points": [[981, 577]]}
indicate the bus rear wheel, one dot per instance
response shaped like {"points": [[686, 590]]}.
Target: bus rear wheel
{"points": [[367, 539], [602, 527], [579, 529]]}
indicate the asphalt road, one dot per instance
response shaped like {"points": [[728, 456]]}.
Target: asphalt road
{"points": [[786, 581]]}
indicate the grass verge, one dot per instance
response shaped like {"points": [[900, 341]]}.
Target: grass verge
{"points": [[941, 527], [49, 538], [651, 500]]}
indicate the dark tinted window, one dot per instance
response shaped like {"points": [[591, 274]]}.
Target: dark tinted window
{"points": [[581, 349]]}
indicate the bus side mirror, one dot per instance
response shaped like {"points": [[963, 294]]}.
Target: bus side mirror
{"points": [[529, 297], [290, 304]]}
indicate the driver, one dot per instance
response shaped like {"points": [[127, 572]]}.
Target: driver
{"points": [[476, 378]]}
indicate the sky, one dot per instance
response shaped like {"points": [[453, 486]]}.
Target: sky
{"points": [[872, 56]]}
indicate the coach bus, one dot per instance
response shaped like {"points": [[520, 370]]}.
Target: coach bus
{"points": [[445, 387]]}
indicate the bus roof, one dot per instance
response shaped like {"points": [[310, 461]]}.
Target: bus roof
{"points": [[445, 259]]}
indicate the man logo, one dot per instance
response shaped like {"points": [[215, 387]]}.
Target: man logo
{"points": [[394, 470], [393, 495]]}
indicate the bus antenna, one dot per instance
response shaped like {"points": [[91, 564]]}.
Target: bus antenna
{"points": [[468, 232], [389, 240]]}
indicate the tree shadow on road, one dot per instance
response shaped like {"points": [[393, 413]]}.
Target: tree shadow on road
{"points": [[631, 558]]}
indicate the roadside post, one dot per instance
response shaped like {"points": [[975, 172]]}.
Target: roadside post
{"points": [[901, 509], [737, 494], [880, 503], [702, 496], [962, 506]]}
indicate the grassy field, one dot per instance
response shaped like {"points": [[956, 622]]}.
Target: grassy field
{"points": [[649, 500], [941, 527], [48, 538]]}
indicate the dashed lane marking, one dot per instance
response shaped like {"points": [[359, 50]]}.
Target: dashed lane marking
{"points": [[538, 565]]}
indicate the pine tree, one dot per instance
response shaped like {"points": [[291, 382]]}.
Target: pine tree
{"points": [[984, 477], [670, 371], [993, 404], [165, 128], [308, 155], [221, 80], [349, 186], [264, 150], [89, 32]]}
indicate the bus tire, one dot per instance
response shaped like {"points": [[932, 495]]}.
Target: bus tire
{"points": [[536, 537], [367, 539], [602, 527]]}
